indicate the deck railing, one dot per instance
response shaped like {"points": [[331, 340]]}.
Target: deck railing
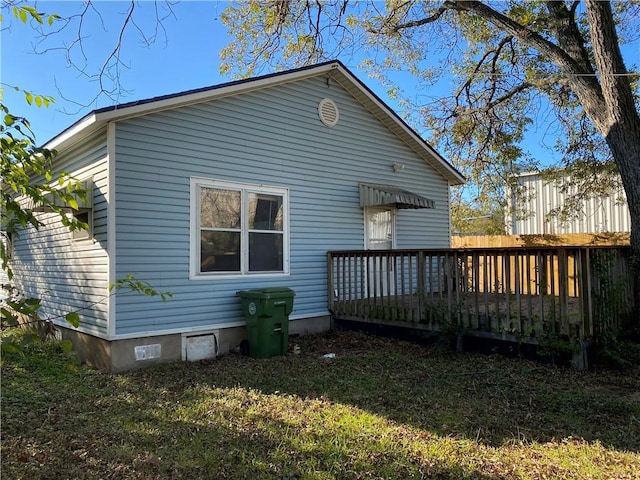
{"points": [[510, 293]]}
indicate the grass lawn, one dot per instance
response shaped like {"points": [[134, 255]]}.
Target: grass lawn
{"points": [[380, 409]]}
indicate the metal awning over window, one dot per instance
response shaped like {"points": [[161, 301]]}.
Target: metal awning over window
{"points": [[374, 194]]}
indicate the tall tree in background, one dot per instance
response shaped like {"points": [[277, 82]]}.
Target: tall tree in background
{"points": [[514, 64]]}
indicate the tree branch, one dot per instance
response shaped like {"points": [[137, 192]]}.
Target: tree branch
{"points": [[116, 49], [573, 8], [422, 21], [107, 73], [509, 94], [495, 54], [563, 24], [608, 59], [585, 86]]}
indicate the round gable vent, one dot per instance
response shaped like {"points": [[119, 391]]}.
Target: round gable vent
{"points": [[328, 112]]}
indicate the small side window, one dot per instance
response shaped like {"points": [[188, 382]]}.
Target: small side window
{"points": [[84, 217], [84, 213], [7, 241]]}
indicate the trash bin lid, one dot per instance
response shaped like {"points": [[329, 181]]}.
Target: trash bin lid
{"points": [[267, 293]]}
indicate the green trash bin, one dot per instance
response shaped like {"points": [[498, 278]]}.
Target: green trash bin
{"points": [[267, 313]]}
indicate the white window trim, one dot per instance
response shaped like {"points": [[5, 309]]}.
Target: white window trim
{"points": [[194, 228]]}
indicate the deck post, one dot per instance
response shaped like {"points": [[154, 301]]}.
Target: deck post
{"points": [[506, 291], [450, 259], [580, 361], [330, 281], [563, 289], [420, 280], [586, 293]]}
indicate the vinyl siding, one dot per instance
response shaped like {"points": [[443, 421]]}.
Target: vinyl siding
{"points": [[270, 137], [69, 275]]}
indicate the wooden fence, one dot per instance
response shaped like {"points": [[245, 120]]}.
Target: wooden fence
{"points": [[520, 294], [604, 239]]}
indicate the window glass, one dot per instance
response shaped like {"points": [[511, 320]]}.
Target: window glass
{"points": [[82, 233], [265, 212], [220, 251], [265, 252], [240, 229], [219, 208], [380, 224], [379, 228]]}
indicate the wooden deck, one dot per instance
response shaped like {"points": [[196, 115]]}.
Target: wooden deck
{"points": [[470, 313], [513, 293]]}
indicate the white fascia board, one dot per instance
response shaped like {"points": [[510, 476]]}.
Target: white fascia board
{"points": [[214, 93], [95, 120], [76, 129]]}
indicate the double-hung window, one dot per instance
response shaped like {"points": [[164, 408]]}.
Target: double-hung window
{"points": [[239, 229]]}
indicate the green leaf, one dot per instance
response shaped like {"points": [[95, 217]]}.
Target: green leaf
{"points": [[29, 339], [66, 346], [38, 100], [23, 15], [26, 306], [10, 347], [72, 203], [73, 319], [8, 318], [33, 12], [28, 97]]}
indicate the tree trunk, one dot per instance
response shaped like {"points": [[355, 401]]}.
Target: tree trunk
{"points": [[620, 124], [624, 142]]}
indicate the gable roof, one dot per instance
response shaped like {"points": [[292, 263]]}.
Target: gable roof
{"points": [[334, 70]]}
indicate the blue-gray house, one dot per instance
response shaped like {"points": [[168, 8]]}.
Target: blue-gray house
{"points": [[207, 192]]}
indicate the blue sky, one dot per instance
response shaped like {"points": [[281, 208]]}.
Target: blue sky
{"points": [[184, 56], [187, 58]]}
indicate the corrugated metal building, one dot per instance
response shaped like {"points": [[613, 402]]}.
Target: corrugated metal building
{"points": [[532, 203]]}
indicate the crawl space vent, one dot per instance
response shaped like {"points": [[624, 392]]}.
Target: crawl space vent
{"points": [[328, 112], [199, 346]]}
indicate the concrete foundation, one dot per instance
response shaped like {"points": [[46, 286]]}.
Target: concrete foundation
{"points": [[128, 354]]}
